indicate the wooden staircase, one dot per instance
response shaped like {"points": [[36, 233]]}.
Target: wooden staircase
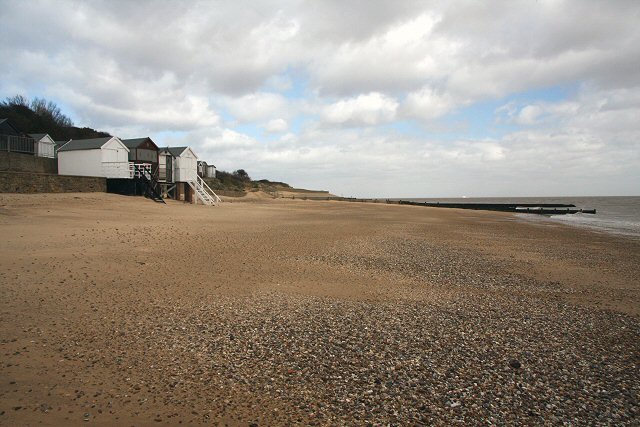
{"points": [[203, 192], [142, 173]]}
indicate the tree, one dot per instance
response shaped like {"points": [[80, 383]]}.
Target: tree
{"points": [[45, 108], [242, 174], [42, 116], [40, 106], [17, 100]]}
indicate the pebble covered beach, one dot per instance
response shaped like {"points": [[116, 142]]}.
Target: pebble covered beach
{"points": [[119, 311]]}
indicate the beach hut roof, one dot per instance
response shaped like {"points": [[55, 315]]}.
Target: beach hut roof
{"points": [[86, 144], [37, 136], [175, 151], [6, 125], [135, 142]]}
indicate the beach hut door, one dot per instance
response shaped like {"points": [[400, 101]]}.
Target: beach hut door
{"points": [[169, 168]]}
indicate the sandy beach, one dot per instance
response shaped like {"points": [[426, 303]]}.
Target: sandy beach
{"points": [[120, 311]]}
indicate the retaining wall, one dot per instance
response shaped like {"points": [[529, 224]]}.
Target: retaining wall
{"points": [[10, 161], [25, 182]]}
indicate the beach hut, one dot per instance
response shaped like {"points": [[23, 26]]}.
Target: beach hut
{"points": [[185, 164], [44, 145], [206, 170], [142, 151], [179, 179], [179, 168], [143, 167], [106, 157], [165, 165]]}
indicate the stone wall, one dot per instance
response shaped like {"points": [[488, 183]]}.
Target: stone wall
{"points": [[27, 163], [25, 182]]}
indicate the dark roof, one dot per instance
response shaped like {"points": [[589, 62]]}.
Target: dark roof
{"points": [[37, 136], [135, 142], [175, 151], [59, 143], [85, 144], [6, 125]]}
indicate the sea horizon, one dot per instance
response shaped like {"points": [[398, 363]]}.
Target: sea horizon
{"points": [[618, 215]]}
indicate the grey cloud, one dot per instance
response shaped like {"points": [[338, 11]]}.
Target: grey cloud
{"points": [[174, 66]]}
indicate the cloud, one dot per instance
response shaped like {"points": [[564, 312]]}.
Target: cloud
{"points": [[257, 106], [277, 125], [370, 109], [399, 58], [362, 96], [426, 104], [222, 139]]}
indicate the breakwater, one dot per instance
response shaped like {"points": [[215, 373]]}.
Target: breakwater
{"points": [[533, 208]]}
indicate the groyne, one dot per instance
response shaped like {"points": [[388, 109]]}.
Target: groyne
{"points": [[532, 208]]}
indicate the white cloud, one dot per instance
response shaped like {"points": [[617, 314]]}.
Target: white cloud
{"points": [[370, 109], [400, 57], [257, 106], [277, 125], [529, 115], [223, 139], [426, 104]]}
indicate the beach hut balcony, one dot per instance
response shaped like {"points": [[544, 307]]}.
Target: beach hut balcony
{"points": [[117, 170], [138, 170]]}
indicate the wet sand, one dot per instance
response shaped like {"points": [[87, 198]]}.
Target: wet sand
{"points": [[120, 311]]}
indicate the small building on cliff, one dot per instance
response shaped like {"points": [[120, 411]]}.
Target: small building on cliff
{"points": [[45, 146]]}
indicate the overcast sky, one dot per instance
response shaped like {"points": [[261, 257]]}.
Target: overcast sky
{"points": [[363, 98]]}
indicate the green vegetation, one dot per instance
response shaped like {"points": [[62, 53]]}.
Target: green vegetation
{"points": [[227, 181], [273, 183], [240, 181]]}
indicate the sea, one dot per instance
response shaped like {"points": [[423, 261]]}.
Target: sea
{"points": [[614, 214]]}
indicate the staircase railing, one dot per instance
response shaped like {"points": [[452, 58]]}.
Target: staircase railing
{"points": [[208, 189], [203, 192], [144, 173]]}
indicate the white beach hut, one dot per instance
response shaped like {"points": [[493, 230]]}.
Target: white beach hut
{"points": [[206, 170], [185, 164], [178, 168], [106, 157], [45, 145]]}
